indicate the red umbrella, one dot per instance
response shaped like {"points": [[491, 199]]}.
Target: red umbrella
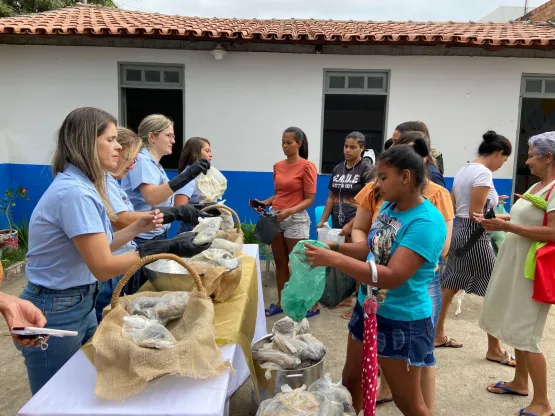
{"points": [[370, 349]]}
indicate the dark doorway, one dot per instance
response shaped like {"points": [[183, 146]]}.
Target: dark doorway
{"points": [[141, 102], [344, 113], [537, 115]]}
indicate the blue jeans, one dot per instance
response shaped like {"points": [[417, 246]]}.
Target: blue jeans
{"points": [[107, 289], [70, 309]]}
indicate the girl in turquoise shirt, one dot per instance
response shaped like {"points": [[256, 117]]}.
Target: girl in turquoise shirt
{"points": [[406, 241]]}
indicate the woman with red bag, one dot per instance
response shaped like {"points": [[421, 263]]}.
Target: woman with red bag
{"points": [[509, 312]]}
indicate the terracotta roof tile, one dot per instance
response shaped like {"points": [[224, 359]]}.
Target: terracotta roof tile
{"points": [[100, 21]]}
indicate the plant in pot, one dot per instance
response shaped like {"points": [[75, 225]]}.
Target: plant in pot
{"points": [[10, 235]]}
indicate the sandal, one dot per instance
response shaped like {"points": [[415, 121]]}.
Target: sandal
{"points": [[449, 343], [384, 401], [273, 310], [312, 313], [524, 413], [507, 358], [348, 314], [501, 386]]}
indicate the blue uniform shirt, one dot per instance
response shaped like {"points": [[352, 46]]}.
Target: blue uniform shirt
{"points": [[422, 230], [120, 203], [149, 172], [70, 207], [190, 190]]}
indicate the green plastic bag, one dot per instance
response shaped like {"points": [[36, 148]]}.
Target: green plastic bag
{"points": [[530, 262], [497, 237], [306, 285]]}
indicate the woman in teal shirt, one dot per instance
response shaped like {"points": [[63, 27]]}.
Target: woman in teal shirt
{"points": [[406, 241]]}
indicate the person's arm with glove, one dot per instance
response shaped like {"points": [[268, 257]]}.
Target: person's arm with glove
{"points": [[188, 214], [182, 246], [155, 195]]}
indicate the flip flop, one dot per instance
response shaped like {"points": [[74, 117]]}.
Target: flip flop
{"points": [[500, 385], [273, 310], [505, 361], [383, 401], [523, 413], [449, 343], [312, 313]]}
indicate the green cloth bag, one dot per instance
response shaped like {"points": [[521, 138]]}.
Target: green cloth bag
{"points": [[306, 285]]}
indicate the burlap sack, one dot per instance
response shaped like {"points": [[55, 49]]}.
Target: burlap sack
{"points": [[219, 283], [124, 369]]}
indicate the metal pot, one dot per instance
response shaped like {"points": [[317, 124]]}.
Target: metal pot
{"points": [[169, 277], [294, 378]]}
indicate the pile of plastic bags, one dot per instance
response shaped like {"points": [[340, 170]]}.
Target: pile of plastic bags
{"points": [[322, 398], [145, 327], [292, 348]]}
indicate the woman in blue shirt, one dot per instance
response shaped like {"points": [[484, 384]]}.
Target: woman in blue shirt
{"points": [[147, 184], [195, 149], [71, 239], [406, 241]]}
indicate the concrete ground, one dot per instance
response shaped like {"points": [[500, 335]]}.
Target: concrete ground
{"points": [[463, 374]]}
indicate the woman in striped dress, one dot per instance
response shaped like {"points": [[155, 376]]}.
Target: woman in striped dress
{"points": [[472, 189]]}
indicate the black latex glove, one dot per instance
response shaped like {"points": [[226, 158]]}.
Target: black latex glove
{"points": [[213, 212], [188, 214], [181, 246], [188, 175]]}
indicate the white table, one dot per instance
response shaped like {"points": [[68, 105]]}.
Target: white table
{"points": [[71, 390]]}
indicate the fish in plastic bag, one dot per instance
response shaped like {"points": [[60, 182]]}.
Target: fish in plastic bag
{"points": [[288, 327], [162, 309], [306, 285], [269, 353], [310, 348], [336, 392], [206, 230], [298, 402], [211, 186], [147, 333], [220, 243]]}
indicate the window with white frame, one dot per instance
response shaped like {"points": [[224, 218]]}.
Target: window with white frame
{"points": [[153, 89]]}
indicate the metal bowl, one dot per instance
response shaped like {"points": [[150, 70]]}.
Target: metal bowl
{"points": [[167, 275]]}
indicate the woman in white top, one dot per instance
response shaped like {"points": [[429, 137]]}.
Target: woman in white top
{"points": [[472, 188], [509, 312]]}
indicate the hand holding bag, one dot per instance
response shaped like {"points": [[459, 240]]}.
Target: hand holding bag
{"points": [[544, 278]]}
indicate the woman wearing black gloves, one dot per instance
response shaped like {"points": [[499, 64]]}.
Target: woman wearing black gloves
{"points": [[147, 184], [71, 240]]}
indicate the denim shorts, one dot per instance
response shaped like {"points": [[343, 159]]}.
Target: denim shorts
{"points": [[434, 291], [356, 324], [411, 341], [70, 309]]}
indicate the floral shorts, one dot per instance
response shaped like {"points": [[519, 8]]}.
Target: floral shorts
{"points": [[296, 227]]}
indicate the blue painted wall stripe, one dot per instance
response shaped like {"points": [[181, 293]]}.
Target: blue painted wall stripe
{"points": [[241, 187]]}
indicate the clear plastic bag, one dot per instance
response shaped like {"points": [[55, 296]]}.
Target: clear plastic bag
{"points": [[306, 285], [147, 333], [209, 258], [290, 328], [211, 186], [206, 230], [229, 264], [310, 348], [220, 243], [269, 353], [162, 309], [227, 221], [298, 402], [336, 392]]}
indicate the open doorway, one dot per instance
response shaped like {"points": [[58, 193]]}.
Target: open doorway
{"points": [[148, 89], [352, 101], [537, 115]]}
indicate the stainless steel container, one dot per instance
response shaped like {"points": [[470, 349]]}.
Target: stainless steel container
{"points": [[167, 275], [294, 378]]}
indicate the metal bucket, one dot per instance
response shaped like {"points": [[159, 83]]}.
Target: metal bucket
{"points": [[294, 378]]}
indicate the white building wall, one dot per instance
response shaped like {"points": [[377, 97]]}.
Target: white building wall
{"points": [[244, 102]]}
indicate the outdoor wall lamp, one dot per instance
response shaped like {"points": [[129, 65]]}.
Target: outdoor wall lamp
{"points": [[218, 52]]}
